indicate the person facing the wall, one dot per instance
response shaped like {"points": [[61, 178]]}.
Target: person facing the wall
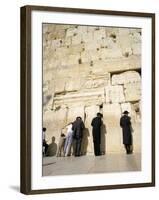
{"points": [[78, 127], [96, 132], [45, 145], [69, 139], [61, 143], [125, 124]]}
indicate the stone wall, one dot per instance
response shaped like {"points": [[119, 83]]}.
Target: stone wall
{"points": [[89, 69]]}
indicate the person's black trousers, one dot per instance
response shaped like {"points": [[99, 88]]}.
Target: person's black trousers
{"points": [[78, 146], [128, 148], [97, 148]]}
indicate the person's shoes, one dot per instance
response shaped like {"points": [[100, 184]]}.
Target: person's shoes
{"points": [[77, 155]]}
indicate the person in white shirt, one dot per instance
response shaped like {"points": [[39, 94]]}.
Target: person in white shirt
{"points": [[69, 139]]}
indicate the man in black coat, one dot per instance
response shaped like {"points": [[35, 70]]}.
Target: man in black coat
{"points": [[125, 124], [96, 124], [78, 127]]}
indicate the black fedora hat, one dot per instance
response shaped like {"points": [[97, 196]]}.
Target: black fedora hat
{"points": [[100, 114], [125, 112]]}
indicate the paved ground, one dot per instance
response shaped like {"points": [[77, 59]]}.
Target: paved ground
{"points": [[91, 164]]}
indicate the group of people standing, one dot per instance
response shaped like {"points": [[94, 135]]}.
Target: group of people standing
{"points": [[75, 135]]}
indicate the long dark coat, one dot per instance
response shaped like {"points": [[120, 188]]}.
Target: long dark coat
{"points": [[125, 123], [96, 124], [77, 128]]}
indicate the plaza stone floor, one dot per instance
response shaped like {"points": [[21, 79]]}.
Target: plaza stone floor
{"points": [[90, 164]]}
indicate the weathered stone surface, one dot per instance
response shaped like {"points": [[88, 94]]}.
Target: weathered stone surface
{"points": [[76, 39], [132, 91], [118, 65], [87, 69], [87, 37], [54, 122], [71, 59], [73, 84], [97, 80], [74, 112], [111, 120], [59, 85], [73, 49], [136, 48], [89, 46], [126, 78], [71, 32], [85, 97], [111, 113], [114, 94], [99, 34]]}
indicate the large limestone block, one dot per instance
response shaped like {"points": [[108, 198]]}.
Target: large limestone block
{"points": [[89, 45], [97, 80], [111, 31], [84, 69], [47, 75], [67, 42], [82, 97], [127, 51], [126, 78], [95, 83], [73, 84], [117, 64], [123, 31], [87, 37], [124, 36], [111, 120], [111, 114], [74, 112], [66, 72], [59, 85], [99, 34], [105, 53], [72, 59], [136, 48], [51, 63], [85, 56], [114, 94], [137, 36], [132, 91], [137, 111], [54, 121], [56, 43], [82, 29], [61, 52], [73, 49], [71, 32], [76, 39]]}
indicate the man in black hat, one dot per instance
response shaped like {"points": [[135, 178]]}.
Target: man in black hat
{"points": [[125, 124], [78, 127], [96, 124]]}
